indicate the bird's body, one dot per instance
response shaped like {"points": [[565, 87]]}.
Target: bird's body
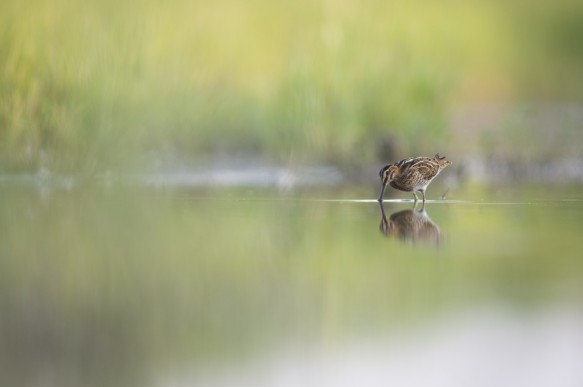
{"points": [[413, 174]]}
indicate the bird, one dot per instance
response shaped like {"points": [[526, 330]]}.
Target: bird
{"points": [[412, 175]]}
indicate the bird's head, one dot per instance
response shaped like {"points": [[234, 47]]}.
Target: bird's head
{"points": [[388, 173]]}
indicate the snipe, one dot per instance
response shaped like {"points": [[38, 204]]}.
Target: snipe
{"points": [[412, 175]]}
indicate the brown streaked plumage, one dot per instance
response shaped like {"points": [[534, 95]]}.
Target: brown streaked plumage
{"points": [[412, 175]]}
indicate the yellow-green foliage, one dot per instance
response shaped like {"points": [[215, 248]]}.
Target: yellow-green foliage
{"points": [[92, 84]]}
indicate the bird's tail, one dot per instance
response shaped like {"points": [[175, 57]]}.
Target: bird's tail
{"points": [[441, 160]]}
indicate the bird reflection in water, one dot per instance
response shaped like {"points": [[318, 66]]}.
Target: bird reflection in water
{"points": [[410, 226]]}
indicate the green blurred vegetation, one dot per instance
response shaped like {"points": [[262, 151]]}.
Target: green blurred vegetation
{"points": [[107, 84]]}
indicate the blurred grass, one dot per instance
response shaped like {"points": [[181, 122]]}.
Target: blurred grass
{"points": [[102, 84]]}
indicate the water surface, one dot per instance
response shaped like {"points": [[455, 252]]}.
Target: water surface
{"points": [[123, 286]]}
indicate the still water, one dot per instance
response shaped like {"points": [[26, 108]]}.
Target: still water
{"points": [[135, 286]]}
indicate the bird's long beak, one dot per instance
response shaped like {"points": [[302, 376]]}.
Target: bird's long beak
{"points": [[382, 192]]}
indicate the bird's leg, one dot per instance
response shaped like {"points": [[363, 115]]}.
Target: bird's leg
{"points": [[423, 193], [416, 198]]}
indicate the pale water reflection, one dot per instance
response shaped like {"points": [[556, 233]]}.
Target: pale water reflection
{"points": [[492, 346], [410, 226], [134, 286]]}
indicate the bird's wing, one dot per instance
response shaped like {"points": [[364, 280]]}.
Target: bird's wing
{"points": [[407, 163], [427, 168]]}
